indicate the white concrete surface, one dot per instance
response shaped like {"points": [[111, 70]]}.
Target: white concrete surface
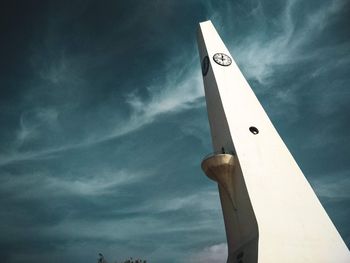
{"points": [[283, 220]]}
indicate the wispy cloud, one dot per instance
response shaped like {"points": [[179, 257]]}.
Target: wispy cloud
{"points": [[203, 201], [179, 90], [39, 185], [334, 187], [33, 120], [260, 54], [106, 130], [175, 93], [211, 254]]}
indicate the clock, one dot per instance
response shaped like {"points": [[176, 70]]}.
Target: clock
{"points": [[222, 59], [205, 65]]}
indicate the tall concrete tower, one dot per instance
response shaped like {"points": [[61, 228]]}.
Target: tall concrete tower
{"points": [[270, 211]]}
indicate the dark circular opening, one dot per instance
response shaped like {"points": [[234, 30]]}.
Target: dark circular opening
{"points": [[254, 130]]}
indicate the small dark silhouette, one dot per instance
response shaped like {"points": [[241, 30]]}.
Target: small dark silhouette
{"points": [[222, 150], [101, 258]]}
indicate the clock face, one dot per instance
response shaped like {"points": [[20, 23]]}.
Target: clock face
{"points": [[222, 59], [205, 65]]}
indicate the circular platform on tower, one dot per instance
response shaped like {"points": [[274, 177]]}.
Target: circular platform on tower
{"points": [[217, 166]]}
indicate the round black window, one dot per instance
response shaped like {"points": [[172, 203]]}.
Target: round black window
{"points": [[254, 130]]}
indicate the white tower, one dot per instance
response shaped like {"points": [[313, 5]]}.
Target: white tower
{"points": [[270, 211]]}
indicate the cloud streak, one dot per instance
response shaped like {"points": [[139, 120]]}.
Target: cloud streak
{"points": [[334, 187], [177, 93], [106, 127], [212, 254], [260, 55], [180, 91]]}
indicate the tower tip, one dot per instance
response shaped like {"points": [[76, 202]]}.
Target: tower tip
{"points": [[205, 22]]}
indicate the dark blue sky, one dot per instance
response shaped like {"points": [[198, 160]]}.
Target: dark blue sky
{"points": [[103, 120]]}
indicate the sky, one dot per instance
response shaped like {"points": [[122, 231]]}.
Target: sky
{"points": [[103, 121]]}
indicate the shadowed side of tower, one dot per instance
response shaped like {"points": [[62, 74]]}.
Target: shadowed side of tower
{"points": [[270, 211], [240, 222]]}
